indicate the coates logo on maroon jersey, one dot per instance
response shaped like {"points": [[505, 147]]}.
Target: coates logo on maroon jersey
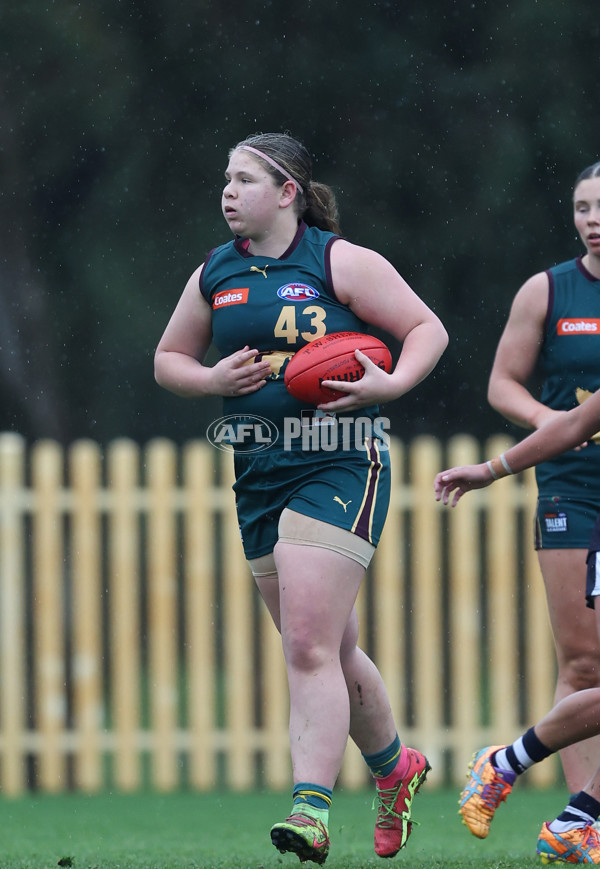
{"points": [[297, 292]]}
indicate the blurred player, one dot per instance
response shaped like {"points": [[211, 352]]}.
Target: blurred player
{"points": [[569, 838], [555, 322]]}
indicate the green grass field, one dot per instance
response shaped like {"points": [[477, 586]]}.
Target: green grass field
{"points": [[231, 831]]}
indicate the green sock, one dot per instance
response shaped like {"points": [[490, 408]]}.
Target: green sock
{"points": [[384, 762]]}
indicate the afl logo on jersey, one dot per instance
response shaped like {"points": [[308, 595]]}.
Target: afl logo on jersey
{"points": [[297, 292]]}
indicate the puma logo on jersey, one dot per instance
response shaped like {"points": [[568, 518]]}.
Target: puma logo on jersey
{"points": [[262, 271], [339, 501]]}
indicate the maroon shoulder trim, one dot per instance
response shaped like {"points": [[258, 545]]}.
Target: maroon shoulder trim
{"points": [[550, 307], [201, 286], [328, 273]]}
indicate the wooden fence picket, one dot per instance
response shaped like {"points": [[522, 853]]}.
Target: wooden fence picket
{"points": [[135, 651]]}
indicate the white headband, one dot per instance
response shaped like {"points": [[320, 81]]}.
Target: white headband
{"points": [[273, 164]]}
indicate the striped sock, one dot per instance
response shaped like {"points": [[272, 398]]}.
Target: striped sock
{"points": [[382, 763], [312, 800], [522, 754], [582, 809]]}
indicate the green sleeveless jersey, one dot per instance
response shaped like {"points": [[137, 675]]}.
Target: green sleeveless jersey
{"points": [[276, 306], [570, 359]]}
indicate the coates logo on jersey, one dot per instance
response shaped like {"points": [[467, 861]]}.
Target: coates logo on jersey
{"points": [[230, 297], [578, 326], [297, 292]]}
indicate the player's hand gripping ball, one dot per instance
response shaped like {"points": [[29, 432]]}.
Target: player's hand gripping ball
{"points": [[332, 358]]}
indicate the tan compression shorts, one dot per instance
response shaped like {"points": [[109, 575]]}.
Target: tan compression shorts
{"points": [[305, 531]]}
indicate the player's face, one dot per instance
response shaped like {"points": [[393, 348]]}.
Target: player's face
{"points": [[586, 200], [250, 201]]}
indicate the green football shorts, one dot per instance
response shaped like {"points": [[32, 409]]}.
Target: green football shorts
{"points": [[347, 488], [564, 523]]}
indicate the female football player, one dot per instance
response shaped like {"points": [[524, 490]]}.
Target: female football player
{"points": [[310, 519], [555, 321], [571, 837]]}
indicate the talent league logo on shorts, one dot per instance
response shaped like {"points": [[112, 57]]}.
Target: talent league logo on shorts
{"points": [[230, 297], [297, 293], [555, 522], [246, 432]]}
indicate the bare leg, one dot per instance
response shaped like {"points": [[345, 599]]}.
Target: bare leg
{"points": [[317, 590], [575, 718], [577, 648], [593, 786], [371, 723]]}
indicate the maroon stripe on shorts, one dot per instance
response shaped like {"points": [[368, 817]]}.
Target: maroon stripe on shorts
{"points": [[362, 526]]}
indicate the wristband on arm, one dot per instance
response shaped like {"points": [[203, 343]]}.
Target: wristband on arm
{"points": [[499, 467]]}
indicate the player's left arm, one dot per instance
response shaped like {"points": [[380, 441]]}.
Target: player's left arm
{"points": [[566, 430], [374, 291]]}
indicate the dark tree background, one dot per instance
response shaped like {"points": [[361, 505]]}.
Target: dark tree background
{"points": [[452, 133]]}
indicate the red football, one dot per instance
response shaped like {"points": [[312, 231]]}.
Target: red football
{"points": [[332, 358]]}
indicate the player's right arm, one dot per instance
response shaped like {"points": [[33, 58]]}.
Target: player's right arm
{"points": [[183, 347], [517, 354]]}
